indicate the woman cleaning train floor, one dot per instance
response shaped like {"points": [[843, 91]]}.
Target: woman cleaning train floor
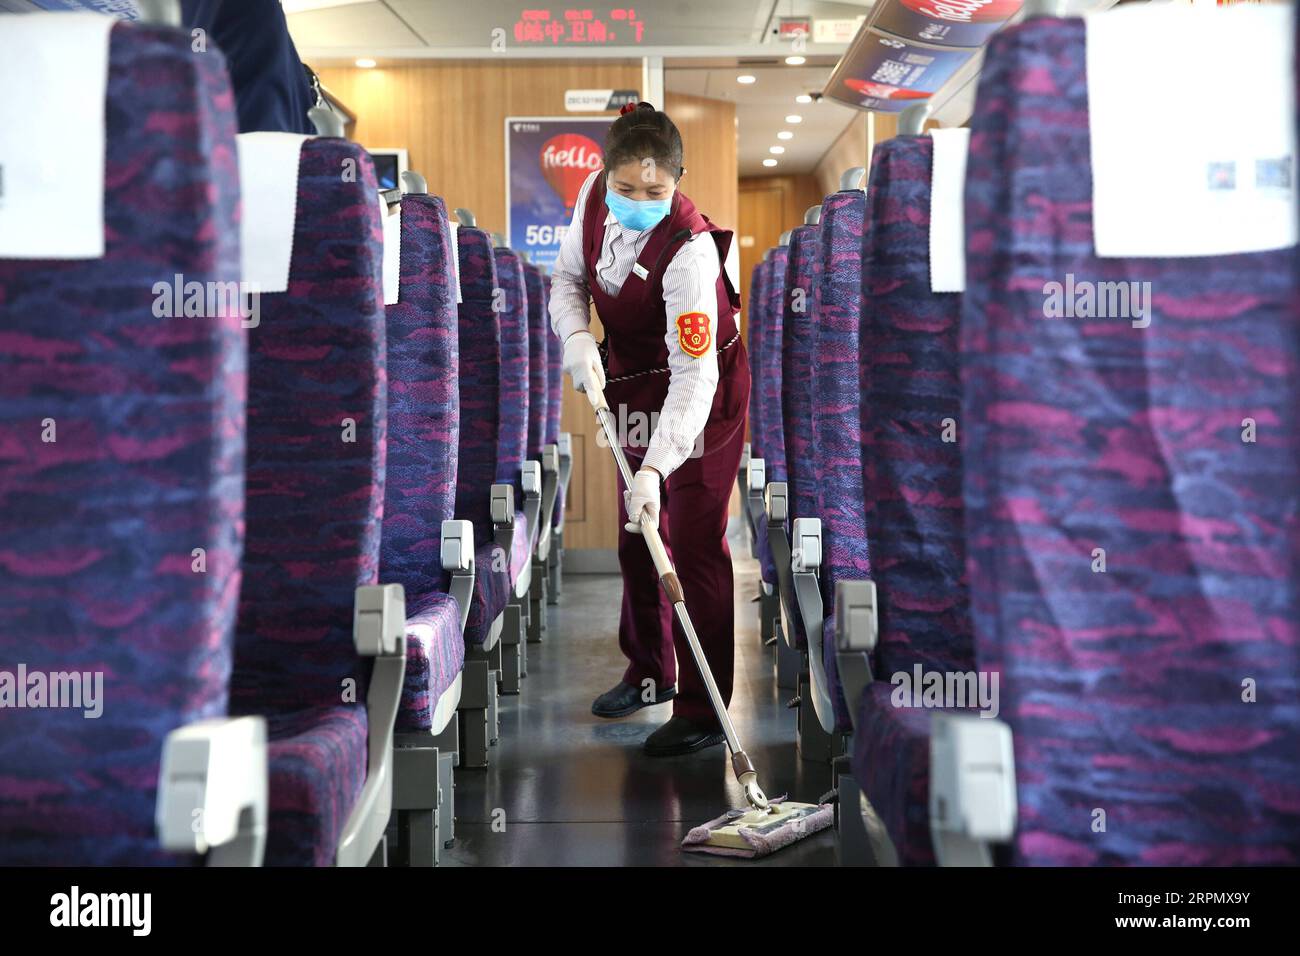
{"points": [[653, 264]]}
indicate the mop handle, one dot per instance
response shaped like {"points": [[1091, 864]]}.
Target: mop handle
{"points": [[740, 762]]}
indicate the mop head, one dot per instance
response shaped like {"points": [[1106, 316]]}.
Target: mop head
{"points": [[755, 833]]}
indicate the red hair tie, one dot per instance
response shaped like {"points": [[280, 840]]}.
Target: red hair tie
{"points": [[627, 108]]}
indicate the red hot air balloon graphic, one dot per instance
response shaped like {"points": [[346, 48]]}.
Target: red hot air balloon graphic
{"points": [[567, 160]]}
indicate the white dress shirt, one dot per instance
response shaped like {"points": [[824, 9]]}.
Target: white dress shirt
{"points": [[690, 283]]}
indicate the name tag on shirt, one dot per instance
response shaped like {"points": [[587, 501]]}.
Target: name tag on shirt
{"points": [[640, 271]]}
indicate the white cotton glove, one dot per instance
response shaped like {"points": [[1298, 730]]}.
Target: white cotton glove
{"points": [[582, 362], [642, 500]]}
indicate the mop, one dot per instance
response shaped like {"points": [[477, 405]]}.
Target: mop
{"points": [[768, 825]]}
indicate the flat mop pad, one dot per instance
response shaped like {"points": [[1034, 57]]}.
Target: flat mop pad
{"points": [[755, 833]]}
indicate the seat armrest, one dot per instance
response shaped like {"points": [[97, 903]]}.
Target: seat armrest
{"points": [[379, 632], [564, 447], [531, 478], [752, 484], [503, 505], [805, 560], [458, 561], [856, 633], [776, 512], [972, 788], [742, 486], [806, 545], [379, 619], [212, 791], [550, 494], [503, 520], [531, 482], [777, 502]]}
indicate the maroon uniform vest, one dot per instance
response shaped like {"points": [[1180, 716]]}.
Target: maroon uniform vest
{"points": [[636, 321]]}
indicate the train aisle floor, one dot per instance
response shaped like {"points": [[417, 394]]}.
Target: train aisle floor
{"points": [[567, 788]]}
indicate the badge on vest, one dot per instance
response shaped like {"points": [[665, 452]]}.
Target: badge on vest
{"points": [[693, 333], [640, 271]]}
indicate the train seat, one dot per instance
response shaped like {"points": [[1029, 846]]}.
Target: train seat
{"points": [[122, 473], [540, 345], [423, 547], [911, 410], [319, 644], [513, 464], [1131, 485], [488, 505]]}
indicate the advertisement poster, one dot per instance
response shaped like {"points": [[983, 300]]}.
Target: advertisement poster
{"points": [[886, 74], [960, 23], [547, 161]]}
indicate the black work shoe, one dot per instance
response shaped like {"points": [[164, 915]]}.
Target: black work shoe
{"points": [[681, 736], [625, 699]]}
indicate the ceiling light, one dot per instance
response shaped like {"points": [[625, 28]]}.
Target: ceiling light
{"points": [[785, 134], [794, 118], [796, 60], [776, 150], [366, 63], [769, 162], [746, 78], [803, 98]]}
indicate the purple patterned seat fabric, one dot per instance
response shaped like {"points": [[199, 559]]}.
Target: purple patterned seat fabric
{"points": [[98, 527], [798, 332], [423, 430], [837, 423], [491, 592], [539, 335], [435, 656], [480, 421], [317, 415], [754, 321], [772, 420], [1126, 690], [911, 407], [771, 423], [554, 390], [512, 444]]}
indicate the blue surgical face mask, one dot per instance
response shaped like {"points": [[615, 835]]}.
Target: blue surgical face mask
{"points": [[637, 214]]}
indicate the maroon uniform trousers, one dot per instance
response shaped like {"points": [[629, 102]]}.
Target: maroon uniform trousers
{"points": [[693, 523]]}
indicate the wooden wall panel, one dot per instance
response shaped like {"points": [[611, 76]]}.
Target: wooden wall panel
{"points": [[762, 218], [450, 115], [769, 205], [708, 130], [848, 150]]}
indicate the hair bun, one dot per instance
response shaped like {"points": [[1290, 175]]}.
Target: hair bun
{"points": [[643, 105]]}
